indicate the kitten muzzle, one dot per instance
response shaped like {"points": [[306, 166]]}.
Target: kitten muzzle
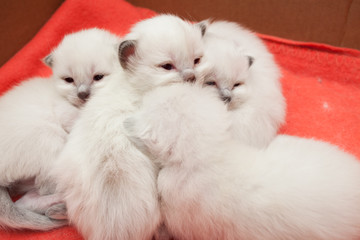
{"points": [[83, 92], [83, 95], [188, 75]]}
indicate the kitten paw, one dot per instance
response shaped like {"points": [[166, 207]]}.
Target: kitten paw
{"points": [[57, 211]]}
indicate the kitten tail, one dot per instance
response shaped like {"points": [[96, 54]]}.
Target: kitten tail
{"points": [[13, 217]]}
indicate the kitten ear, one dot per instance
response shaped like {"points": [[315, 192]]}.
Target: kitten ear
{"points": [[126, 49], [48, 60], [251, 60], [203, 25]]}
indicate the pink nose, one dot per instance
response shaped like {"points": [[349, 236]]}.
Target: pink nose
{"points": [[83, 95], [189, 76]]}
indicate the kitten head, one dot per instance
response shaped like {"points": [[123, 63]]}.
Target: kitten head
{"points": [[179, 122], [161, 50], [82, 62], [230, 70]]}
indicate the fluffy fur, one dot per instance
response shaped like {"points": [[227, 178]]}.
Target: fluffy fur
{"points": [[109, 185], [247, 78], [82, 62], [213, 187], [36, 117]]}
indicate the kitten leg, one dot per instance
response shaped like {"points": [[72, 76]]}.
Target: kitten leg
{"points": [[36, 202]]}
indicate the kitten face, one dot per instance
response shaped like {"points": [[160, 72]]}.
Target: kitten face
{"points": [[82, 62], [162, 50], [230, 70]]}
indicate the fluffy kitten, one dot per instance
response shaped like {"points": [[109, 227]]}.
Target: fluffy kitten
{"points": [[213, 187], [108, 185], [247, 78], [37, 115]]}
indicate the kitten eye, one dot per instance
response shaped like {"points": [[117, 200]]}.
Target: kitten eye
{"points": [[98, 77], [237, 84], [210, 83], [68, 79], [197, 61], [168, 66]]}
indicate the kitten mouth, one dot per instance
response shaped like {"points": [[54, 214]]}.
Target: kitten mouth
{"points": [[230, 106], [78, 102]]}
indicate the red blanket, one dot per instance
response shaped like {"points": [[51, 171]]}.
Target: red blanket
{"points": [[321, 83]]}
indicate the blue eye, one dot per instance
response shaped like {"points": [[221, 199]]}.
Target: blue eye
{"points": [[211, 83], [68, 79], [237, 84], [98, 77], [168, 66]]}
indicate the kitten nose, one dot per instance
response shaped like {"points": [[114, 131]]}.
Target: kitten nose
{"points": [[226, 99], [225, 95], [83, 95], [188, 76]]}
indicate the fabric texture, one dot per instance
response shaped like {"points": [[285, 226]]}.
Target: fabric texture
{"points": [[321, 83]]}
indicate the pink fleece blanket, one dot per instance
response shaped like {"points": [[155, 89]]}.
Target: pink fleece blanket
{"points": [[321, 83]]}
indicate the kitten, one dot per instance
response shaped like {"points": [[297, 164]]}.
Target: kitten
{"points": [[247, 78], [213, 187], [36, 117], [108, 185]]}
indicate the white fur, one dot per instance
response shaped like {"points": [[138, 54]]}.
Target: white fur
{"points": [[37, 115], [257, 104], [179, 45], [109, 185], [34, 122], [82, 56], [212, 187]]}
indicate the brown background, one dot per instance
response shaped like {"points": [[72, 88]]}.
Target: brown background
{"points": [[335, 22]]}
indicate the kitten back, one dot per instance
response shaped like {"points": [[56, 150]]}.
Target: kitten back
{"points": [[181, 119]]}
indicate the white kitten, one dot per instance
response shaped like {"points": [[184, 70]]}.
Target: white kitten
{"points": [[247, 78], [212, 187], [81, 63], [108, 185], [37, 115]]}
